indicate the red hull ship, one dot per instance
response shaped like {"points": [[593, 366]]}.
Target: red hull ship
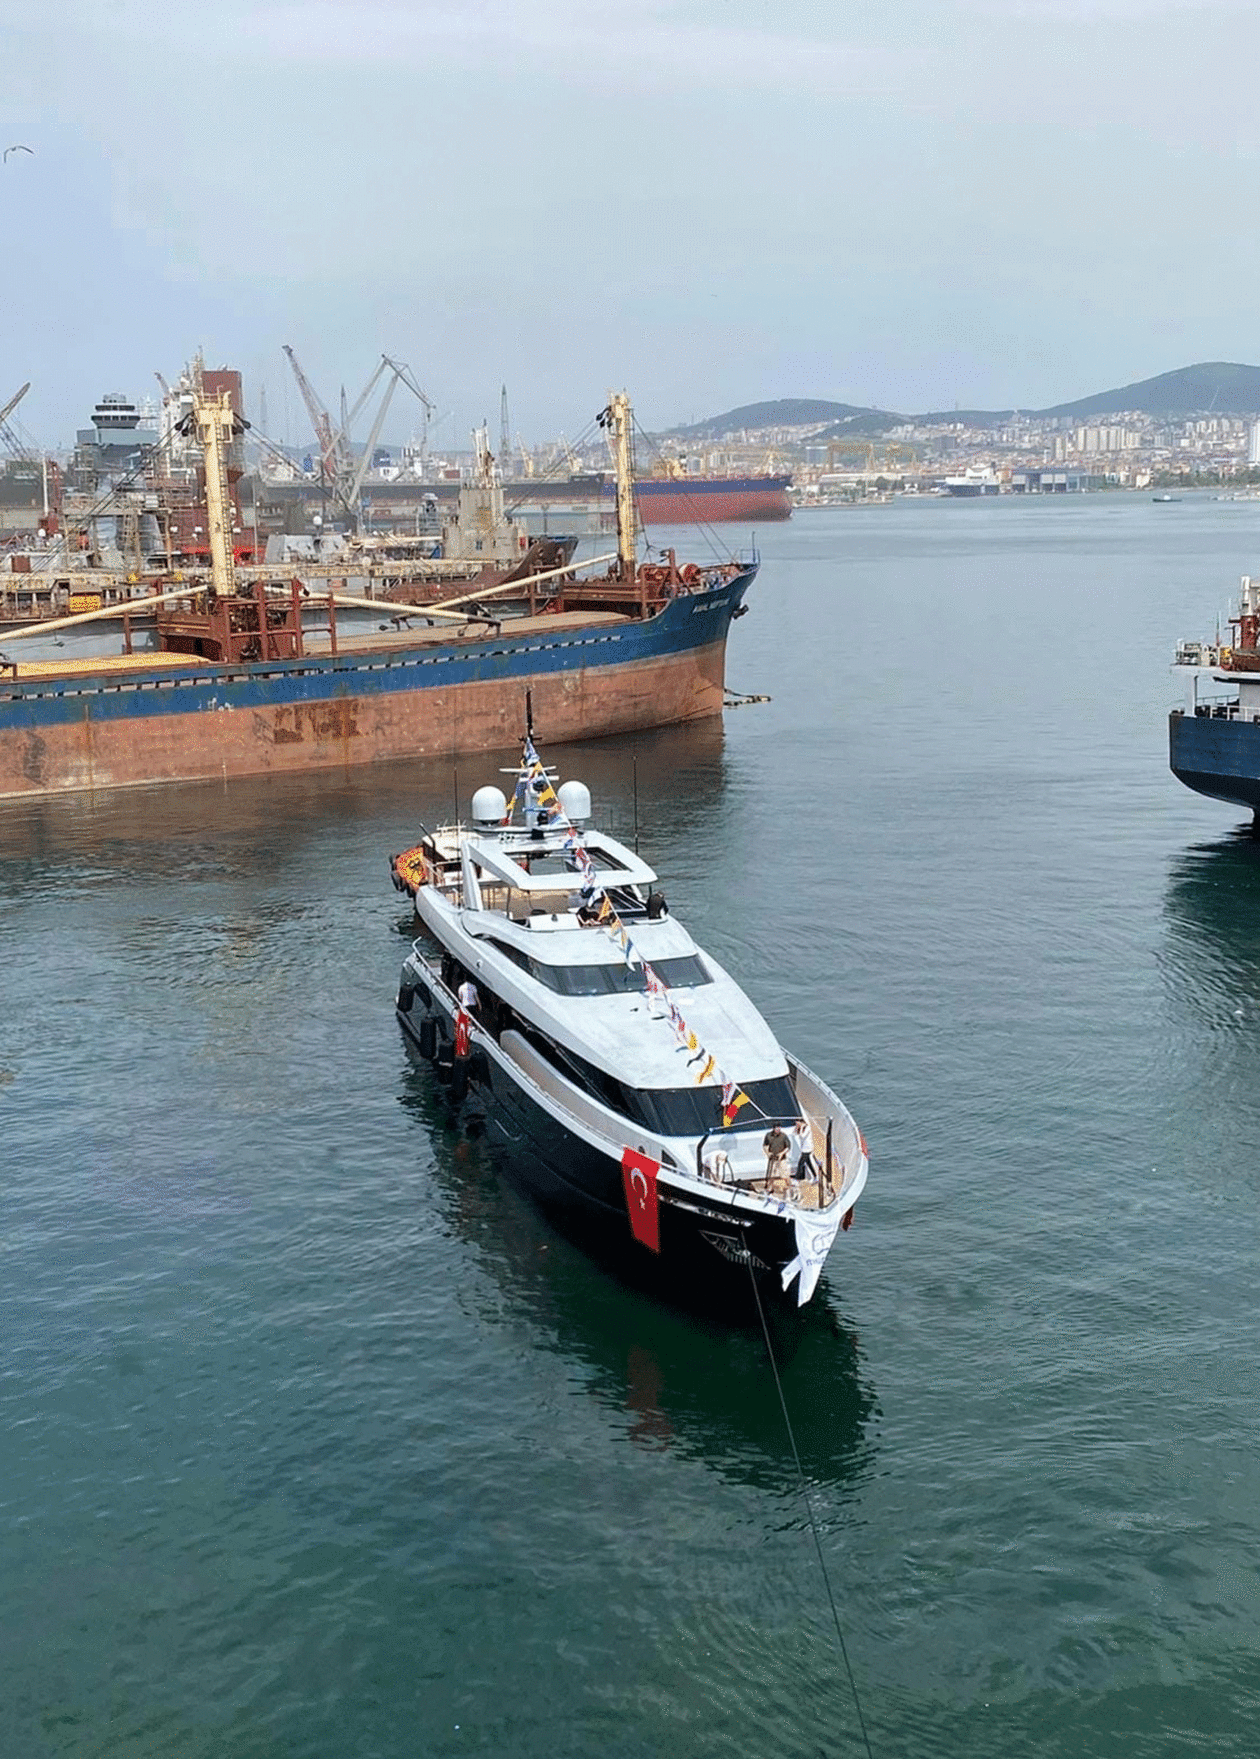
{"points": [[665, 500], [711, 500]]}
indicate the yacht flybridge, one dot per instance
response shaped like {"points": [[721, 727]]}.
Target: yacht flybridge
{"points": [[626, 1072]]}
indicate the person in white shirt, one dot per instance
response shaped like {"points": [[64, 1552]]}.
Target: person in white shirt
{"points": [[468, 996], [803, 1149], [718, 1167]]}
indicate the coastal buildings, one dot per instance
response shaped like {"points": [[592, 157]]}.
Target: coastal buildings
{"points": [[103, 494]]}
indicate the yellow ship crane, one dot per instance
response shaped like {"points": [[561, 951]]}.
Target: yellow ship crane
{"points": [[217, 425], [618, 418]]}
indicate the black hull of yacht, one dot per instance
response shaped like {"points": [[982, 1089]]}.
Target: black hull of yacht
{"points": [[706, 1250]]}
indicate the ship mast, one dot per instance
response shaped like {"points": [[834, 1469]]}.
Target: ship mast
{"points": [[216, 426], [621, 418]]}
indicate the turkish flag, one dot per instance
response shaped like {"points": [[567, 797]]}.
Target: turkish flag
{"points": [[638, 1174]]}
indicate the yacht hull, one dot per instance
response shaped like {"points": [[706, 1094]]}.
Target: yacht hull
{"points": [[704, 1243]]}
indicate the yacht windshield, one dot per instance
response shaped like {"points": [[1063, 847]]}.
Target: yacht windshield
{"points": [[689, 1111], [687, 971], [673, 1111]]}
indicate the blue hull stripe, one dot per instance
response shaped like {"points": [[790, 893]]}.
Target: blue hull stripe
{"points": [[1216, 757], [691, 621]]}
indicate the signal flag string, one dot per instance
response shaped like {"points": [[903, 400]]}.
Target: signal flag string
{"points": [[809, 1508], [533, 773]]}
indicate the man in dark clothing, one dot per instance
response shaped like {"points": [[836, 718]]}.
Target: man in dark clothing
{"points": [[777, 1147]]}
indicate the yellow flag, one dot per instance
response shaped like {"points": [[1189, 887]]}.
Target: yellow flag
{"points": [[704, 1074]]}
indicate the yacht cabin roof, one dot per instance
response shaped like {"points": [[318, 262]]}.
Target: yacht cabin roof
{"points": [[502, 857]]}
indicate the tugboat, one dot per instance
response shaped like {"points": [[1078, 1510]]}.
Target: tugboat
{"points": [[1214, 743], [628, 1076]]}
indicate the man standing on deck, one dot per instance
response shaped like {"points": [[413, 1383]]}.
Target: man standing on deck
{"points": [[777, 1149]]}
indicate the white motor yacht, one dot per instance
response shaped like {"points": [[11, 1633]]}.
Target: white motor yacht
{"points": [[628, 1074]]}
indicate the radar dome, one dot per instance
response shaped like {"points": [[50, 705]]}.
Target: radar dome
{"points": [[489, 806], [575, 801]]}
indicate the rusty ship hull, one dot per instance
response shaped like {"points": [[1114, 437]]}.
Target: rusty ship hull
{"points": [[175, 718]]}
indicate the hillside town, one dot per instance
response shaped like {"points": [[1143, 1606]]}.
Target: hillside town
{"points": [[985, 455], [127, 491]]}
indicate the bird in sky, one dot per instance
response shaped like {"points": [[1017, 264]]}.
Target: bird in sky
{"points": [[17, 148]]}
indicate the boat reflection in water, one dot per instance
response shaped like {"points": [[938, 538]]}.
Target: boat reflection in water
{"points": [[1211, 958], [688, 1381], [1202, 1099]]}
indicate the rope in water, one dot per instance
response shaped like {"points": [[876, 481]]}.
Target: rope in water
{"points": [[809, 1508]]}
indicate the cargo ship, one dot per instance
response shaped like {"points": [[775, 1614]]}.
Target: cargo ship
{"points": [[248, 674], [1214, 742], [712, 500], [668, 500]]}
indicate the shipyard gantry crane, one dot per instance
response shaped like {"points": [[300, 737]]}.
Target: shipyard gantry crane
{"points": [[340, 473], [10, 440], [13, 402], [321, 421]]}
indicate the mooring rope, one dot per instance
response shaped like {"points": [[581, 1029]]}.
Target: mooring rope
{"points": [[809, 1507]]}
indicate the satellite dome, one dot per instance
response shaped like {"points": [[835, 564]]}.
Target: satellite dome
{"points": [[489, 806], [575, 801]]}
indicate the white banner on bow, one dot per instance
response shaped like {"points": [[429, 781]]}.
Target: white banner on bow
{"points": [[814, 1240]]}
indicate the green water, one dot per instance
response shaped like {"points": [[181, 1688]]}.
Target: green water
{"points": [[316, 1440]]}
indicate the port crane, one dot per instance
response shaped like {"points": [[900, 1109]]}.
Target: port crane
{"points": [[13, 402], [321, 421], [19, 453], [341, 474], [7, 411]]}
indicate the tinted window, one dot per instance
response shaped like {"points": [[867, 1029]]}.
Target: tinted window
{"points": [[672, 1111], [685, 972], [689, 1111], [513, 953]]}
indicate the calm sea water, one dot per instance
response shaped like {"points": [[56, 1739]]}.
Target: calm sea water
{"points": [[316, 1440]]}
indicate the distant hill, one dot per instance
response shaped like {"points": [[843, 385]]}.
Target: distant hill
{"points": [[1213, 387], [792, 412], [1216, 387]]}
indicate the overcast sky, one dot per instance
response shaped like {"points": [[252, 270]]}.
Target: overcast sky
{"points": [[912, 203]]}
